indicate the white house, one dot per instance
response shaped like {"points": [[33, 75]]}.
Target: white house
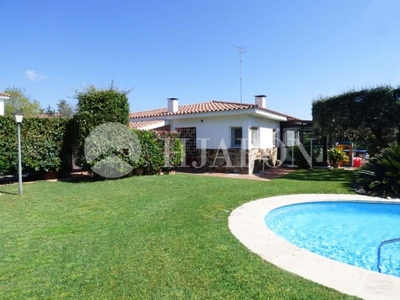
{"points": [[3, 97], [225, 136]]}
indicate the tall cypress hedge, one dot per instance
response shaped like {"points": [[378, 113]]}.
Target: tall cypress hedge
{"points": [[47, 144], [43, 145], [367, 117], [97, 107]]}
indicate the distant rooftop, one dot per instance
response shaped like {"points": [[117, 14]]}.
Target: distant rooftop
{"points": [[4, 95]]}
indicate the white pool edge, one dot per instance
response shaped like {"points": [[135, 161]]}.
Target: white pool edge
{"points": [[247, 224]]}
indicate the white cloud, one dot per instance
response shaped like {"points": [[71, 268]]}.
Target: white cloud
{"points": [[32, 75]]}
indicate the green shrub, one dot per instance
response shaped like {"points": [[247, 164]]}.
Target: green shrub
{"points": [[42, 144], [152, 151], [336, 155], [299, 157], [97, 107], [112, 149], [173, 148], [381, 174], [47, 145], [160, 150], [8, 145]]}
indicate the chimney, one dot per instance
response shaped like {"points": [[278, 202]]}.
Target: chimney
{"points": [[173, 105], [261, 101]]}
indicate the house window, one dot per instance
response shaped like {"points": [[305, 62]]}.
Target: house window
{"points": [[254, 136], [236, 136], [291, 137], [275, 137]]}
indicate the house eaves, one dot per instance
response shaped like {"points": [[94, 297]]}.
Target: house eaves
{"points": [[225, 113], [270, 116], [147, 125]]}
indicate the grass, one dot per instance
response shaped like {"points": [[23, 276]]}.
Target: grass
{"points": [[151, 237]]}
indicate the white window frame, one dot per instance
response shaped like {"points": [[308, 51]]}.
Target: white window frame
{"points": [[234, 139], [275, 132], [254, 136]]}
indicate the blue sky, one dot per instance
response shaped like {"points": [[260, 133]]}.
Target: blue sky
{"points": [[296, 51]]}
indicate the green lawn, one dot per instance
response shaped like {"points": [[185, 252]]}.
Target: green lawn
{"points": [[150, 237]]}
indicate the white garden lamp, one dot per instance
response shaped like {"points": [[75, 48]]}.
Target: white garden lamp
{"points": [[19, 117]]}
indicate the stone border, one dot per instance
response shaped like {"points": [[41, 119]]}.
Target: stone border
{"points": [[247, 224]]}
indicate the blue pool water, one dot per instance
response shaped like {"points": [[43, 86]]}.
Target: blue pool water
{"points": [[348, 232]]}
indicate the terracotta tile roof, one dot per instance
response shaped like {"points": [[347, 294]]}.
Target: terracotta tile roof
{"points": [[4, 95], [149, 113], [146, 124], [204, 107]]}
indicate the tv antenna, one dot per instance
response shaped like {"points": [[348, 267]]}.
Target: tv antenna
{"points": [[241, 49]]}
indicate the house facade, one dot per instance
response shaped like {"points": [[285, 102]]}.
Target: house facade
{"points": [[220, 136], [3, 98]]}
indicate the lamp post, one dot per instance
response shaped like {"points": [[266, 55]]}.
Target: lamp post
{"points": [[19, 117]]}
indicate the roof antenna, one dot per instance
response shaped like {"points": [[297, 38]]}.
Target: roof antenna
{"points": [[241, 49]]}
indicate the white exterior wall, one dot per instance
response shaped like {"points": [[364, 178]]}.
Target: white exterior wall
{"points": [[2, 100], [265, 128], [2, 106], [266, 137], [214, 129]]}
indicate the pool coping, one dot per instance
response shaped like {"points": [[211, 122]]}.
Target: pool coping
{"points": [[247, 224]]}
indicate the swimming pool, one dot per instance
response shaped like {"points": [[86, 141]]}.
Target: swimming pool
{"points": [[349, 232], [247, 224]]}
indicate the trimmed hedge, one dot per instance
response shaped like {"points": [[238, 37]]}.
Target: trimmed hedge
{"points": [[8, 145], [96, 107], [43, 144], [368, 117], [47, 146]]}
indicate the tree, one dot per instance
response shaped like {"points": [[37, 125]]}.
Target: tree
{"points": [[20, 101], [49, 111], [369, 117], [64, 109]]}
